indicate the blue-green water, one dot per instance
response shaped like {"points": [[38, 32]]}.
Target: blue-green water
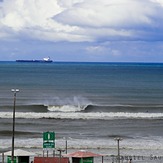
{"points": [[88, 102], [97, 83]]}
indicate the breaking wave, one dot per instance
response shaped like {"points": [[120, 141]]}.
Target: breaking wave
{"points": [[67, 108], [107, 108]]}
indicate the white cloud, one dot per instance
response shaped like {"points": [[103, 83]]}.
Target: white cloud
{"points": [[82, 20], [103, 50], [132, 19], [21, 13], [113, 13], [34, 19], [95, 49], [69, 3], [157, 1]]}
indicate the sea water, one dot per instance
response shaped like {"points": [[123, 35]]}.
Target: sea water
{"points": [[86, 104]]}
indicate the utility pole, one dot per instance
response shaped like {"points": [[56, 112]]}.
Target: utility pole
{"points": [[118, 149]]}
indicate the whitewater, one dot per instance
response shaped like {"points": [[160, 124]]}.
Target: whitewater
{"points": [[97, 115]]}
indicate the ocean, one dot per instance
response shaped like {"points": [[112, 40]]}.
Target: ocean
{"points": [[86, 104]]}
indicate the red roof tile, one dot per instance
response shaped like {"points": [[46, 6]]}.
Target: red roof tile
{"points": [[82, 154]]}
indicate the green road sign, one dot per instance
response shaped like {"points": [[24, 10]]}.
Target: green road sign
{"points": [[48, 140], [48, 136], [48, 145]]}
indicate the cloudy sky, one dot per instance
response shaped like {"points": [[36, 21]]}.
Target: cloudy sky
{"points": [[82, 30]]}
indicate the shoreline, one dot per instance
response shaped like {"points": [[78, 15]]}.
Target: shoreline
{"points": [[108, 154]]}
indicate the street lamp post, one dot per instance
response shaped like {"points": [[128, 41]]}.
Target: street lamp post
{"points": [[13, 124], [118, 140], [65, 144], [60, 154]]}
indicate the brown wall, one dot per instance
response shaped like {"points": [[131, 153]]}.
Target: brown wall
{"points": [[51, 160]]}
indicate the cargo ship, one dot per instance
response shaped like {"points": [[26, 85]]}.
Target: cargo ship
{"points": [[44, 60]]}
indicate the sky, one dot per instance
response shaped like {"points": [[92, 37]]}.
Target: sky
{"points": [[82, 30]]}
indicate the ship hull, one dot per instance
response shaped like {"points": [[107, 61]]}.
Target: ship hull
{"points": [[38, 61]]}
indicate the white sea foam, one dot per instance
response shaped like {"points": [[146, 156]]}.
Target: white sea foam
{"points": [[141, 144], [73, 104], [79, 115], [66, 108]]}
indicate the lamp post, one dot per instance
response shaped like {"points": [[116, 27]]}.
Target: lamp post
{"points": [[13, 124], [118, 140], [65, 138], [60, 154]]}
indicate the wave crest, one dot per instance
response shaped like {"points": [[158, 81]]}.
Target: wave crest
{"points": [[67, 108], [70, 104]]}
